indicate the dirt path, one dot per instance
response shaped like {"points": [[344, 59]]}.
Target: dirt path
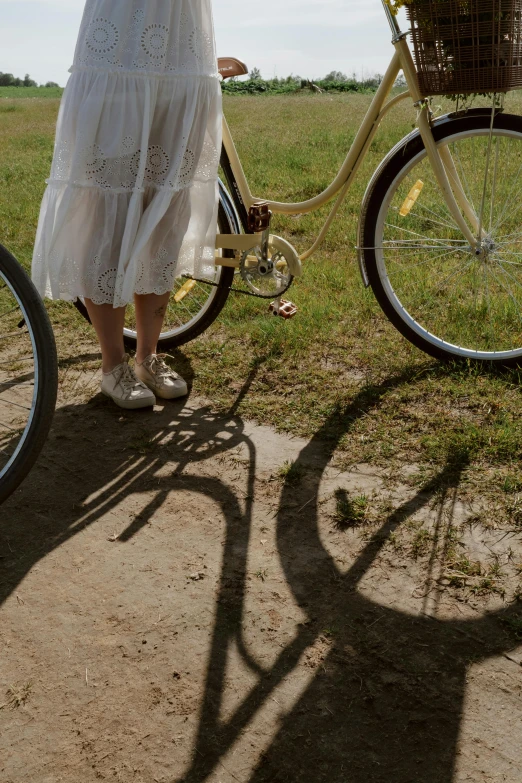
{"points": [[172, 609]]}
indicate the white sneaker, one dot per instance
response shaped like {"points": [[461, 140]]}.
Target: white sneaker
{"points": [[159, 377], [127, 391]]}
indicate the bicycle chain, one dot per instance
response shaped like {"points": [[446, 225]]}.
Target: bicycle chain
{"points": [[231, 289]]}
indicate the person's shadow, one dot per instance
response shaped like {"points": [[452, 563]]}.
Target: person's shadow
{"points": [[387, 701]]}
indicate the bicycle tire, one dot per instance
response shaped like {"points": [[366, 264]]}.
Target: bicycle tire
{"points": [[388, 187], [36, 320]]}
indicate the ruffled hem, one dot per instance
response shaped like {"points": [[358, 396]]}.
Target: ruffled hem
{"points": [[109, 246], [61, 183], [68, 296], [120, 133]]}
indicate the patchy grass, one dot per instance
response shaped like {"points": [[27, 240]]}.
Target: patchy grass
{"points": [[338, 370], [486, 586], [514, 510], [291, 472], [512, 483], [514, 626], [350, 512], [142, 444], [421, 543]]}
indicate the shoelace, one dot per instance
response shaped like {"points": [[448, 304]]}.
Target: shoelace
{"points": [[128, 380], [159, 368]]}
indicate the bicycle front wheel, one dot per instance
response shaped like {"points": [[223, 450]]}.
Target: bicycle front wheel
{"points": [[28, 374], [441, 294]]}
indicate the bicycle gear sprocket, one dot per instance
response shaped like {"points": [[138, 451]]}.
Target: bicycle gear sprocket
{"points": [[268, 277]]}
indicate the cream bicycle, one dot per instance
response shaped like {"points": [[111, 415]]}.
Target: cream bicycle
{"points": [[440, 237]]}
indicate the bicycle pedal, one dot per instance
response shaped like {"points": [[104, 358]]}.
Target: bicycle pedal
{"points": [[284, 308]]}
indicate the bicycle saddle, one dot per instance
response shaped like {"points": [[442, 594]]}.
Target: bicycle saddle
{"points": [[229, 66]]}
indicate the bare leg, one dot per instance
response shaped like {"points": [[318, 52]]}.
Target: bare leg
{"points": [[150, 314], [108, 323]]}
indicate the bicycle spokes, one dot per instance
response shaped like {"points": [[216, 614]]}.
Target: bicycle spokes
{"points": [[467, 299]]}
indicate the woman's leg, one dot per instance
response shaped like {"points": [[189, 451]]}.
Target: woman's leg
{"points": [[108, 323], [151, 369], [150, 314]]}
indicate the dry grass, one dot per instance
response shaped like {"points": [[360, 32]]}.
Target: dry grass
{"points": [[18, 695]]}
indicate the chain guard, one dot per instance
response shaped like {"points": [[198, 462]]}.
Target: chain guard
{"points": [[270, 277]]}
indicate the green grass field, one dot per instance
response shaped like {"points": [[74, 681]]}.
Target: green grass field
{"points": [[30, 92], [306, 374]]}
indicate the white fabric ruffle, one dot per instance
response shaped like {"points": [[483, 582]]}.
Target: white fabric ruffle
{"points": [[132, 199]]}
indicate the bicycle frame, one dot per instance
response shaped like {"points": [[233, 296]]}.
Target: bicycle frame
{"points": [[441, 161]]}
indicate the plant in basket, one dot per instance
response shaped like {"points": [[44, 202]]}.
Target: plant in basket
{"points": [[466, 47]]}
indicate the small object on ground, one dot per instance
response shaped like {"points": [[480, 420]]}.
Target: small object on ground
{"points": [[284, 308]]}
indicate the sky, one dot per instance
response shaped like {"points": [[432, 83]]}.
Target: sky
{"points": [[308, 38]]}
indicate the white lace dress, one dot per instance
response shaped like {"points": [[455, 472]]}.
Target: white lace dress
{"points": [[132, 197]]}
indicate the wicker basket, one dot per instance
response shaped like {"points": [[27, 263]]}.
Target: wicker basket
{"points": [[467, 46]]}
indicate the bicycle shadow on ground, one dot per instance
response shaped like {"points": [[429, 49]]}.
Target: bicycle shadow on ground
{"points": [[387, 700], [96, 456]]}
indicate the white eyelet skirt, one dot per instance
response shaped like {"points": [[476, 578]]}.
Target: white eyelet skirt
{"points": [[132, 198]]}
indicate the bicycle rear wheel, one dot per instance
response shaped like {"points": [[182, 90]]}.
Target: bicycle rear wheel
{"points": [[439, 293], [193, 306], [28, 374]]}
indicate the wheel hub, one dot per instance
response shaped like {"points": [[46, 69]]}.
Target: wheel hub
{"points": [[483, 251]]}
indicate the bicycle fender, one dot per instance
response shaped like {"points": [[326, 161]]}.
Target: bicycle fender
{"points": [[230, 209]]}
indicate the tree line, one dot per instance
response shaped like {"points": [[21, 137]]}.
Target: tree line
{"points": [[334, 81], [8, 80]]}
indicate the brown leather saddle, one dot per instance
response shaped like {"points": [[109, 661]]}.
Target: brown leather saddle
{"points": [[229, 67]]}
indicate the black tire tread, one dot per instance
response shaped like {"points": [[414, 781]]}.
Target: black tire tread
{"points": [[47, 369]]}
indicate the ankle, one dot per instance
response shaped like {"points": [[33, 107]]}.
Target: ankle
{"points": [[141, 356], [108, 365]]}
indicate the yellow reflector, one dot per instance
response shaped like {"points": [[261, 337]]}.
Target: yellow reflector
{"points": [[185, 289], [411, 198]]}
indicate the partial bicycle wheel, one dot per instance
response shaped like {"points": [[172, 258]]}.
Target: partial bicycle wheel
{"points": [[193, 306], [28, 374], [447, 298]]}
